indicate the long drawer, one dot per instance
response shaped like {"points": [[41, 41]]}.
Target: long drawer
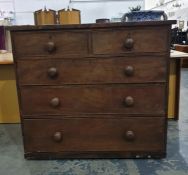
{"points": [[92, 71], [130, 40], [78, 134], [126, 99], [50, 43]]}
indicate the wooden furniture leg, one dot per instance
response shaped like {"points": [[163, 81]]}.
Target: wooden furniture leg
{"points": [[174, 89]]}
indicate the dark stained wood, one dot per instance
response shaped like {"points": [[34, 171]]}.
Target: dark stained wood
{"points": [[50, 43], [92, 71], [142, 40], [95, 155], [80, 134], [177, 97], [91, 26], [93, 90], [92, 99], [182, 48]]}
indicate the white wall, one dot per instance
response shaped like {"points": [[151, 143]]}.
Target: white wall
{"points": [[92, 11], [24, 9], [89, 11], [7, 7], [176, 13], [150, 4]]}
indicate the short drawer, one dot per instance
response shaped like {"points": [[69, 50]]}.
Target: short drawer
{"points": [[131, 40], [91, 135], [92, 71], [126, 99], [50, 43]]}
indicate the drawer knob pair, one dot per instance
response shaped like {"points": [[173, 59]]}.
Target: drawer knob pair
{"points": [[52, 72], [129, 136], [55, 102], [129, 101], [57, 137], [50, 47], [129, 71], [129, 43]]}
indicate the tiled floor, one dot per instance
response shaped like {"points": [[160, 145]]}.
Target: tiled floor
{"points": [[176, 163]]}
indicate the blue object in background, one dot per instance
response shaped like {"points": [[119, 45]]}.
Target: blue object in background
{"points": [[144, 15]]}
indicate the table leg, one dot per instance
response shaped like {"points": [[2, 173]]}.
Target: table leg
{"points": [[174, 89], [177, 96]]}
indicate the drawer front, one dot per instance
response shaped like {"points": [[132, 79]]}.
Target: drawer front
{"points": [[131, 40], [94, 71], [128, 99], [50, 43], [78, 134]]}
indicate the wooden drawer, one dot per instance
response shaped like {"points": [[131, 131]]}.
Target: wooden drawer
{"points": [[92, 71], [127, 40], [78, 135], [126, 99], [50, 43]]}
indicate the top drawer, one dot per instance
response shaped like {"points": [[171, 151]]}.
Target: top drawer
{"points": [[50, 43], [143, 39]]}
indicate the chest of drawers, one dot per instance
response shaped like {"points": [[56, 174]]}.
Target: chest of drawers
{"points": [[93, 91]]}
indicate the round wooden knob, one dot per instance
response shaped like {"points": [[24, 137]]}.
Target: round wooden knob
{"points": [[129, 136], [57, 137], [129, 71], [129, 43], [55, 102], [52, 72], [51, 47], [129, 101]]}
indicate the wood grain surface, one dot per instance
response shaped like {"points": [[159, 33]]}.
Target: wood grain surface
{"points": [[93, 99], [80, 134], [93, 71], [93, 90]]}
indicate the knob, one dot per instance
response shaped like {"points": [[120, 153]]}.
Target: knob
{"points": [[129, 71], [55, 102], [129, 136], [129, 43], [57, 137], [129, 101], [52, 72], [51, 47]]}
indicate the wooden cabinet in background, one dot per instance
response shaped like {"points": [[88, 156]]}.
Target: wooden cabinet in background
{"points": [[64, 16], [69, 16], [9, 110], [45, 17], [182, 48]]}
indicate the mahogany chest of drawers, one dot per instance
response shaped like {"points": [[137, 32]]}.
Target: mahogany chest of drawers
{"points": [[93, 90]]}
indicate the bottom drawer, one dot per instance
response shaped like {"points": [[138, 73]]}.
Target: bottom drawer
{"points": [[96, 137]]}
